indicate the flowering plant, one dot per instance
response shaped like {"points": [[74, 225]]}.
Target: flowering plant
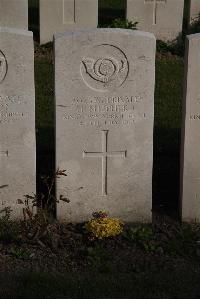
{"points": [[102, 226]]}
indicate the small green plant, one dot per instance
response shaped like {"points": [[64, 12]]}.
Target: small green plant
{"points": [[175, 47], [19, 253], [125, 24], [101, 226], [141, 236], [186, 242], [194, 27], [163, 47], [9, 230], [39, 225]]}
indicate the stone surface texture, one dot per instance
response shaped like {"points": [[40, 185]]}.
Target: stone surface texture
{"points": [[104, 90], [164, 18], [190, 170], [14, 13], [64, 15], [194, 9], [17, 118]]}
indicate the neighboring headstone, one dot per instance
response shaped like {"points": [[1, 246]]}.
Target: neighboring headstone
{"points": [[14, 13], [17, 118], [104, 89], [66, 15], [190, 166], [194, 10], [164, 18]]}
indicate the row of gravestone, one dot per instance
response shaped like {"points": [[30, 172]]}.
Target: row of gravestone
{"points": [[104, 99], [164, 18]]}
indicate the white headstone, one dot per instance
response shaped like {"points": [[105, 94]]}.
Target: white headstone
{"points": [[194, 10], [64, 15], [164, 18], [104, 88], [14, 13], [190, 166], [17, 118]]}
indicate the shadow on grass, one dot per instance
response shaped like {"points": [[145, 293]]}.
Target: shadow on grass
{"points": [[166, 171], [33, 17], [45, 139], [109, 10], [107, 16], [173, 282]]}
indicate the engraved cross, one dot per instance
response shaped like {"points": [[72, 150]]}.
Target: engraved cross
{"points": [[155, 7], [69, 11], [104, 154]]}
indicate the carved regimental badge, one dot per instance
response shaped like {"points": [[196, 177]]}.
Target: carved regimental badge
{"points": [[105, 68], [3, 67]]}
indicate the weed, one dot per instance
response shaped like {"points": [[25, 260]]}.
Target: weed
{"points": [[186, 242], [175, 47], [9, 230], [19, 253], [163, 47], [194, 26], [40, 226], [142, 236], [125, 24]]}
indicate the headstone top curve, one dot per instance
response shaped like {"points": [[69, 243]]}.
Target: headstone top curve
{"points": [[105, 30], [15, 31], [193, 36]]}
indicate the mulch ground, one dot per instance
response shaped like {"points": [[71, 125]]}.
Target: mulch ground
{"points": [[60, 248]]}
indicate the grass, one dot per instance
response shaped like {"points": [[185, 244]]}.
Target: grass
{"points": [[44, 93], [112, 4], [180, 281], [33, 16], [168, 284], [167, 134], [44, 116], [110, 10], [168, 93]]}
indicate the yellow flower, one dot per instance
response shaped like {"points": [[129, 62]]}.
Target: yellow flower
{"points": [[104, 227]]}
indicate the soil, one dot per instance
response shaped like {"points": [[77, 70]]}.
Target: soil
{"points": [[163, 245]]}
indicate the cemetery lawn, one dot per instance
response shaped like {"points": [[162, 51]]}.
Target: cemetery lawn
{"points": [[181, 283], [144, 262], [120, 268], [159, 261]]}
